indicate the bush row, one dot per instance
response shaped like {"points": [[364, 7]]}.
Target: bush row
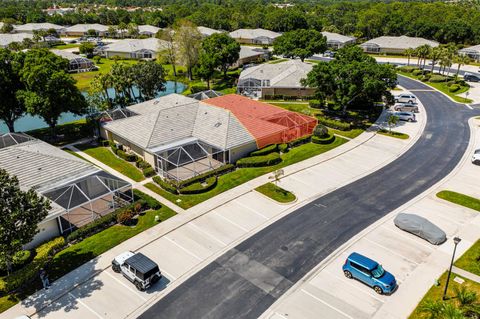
{"points": [[454, 88], [151, 202], [148, 171], [198, 187], [408, 69], [266, 150], [126, 156], [436, 78], [283, 148], [20, 259], [165, 185], [260, 161], [323, 140], [300, 141], [335, 124], [200, 178]]}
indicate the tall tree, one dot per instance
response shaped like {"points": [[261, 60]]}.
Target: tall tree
{"points": [[460, 60], [11, 109], [21, 211], [169, 54], [409, 53], [188, 39], [206, 67], [222, 49], [435, 55], [300, 44], [49, 89], [149, 78]]}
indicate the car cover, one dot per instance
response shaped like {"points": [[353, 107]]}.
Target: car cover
{"points": [[421, 227]]}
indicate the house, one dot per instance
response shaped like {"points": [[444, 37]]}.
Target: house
{"points": [[79, 191], [135, 48], [279, 79], [80, 30], [30, 27], [254, 36], [7, 38], [76, 63], [251, 55], [182, 137], [205, 32], [148, 30], [203, 95], [336, 41], [395, 45], [472, 52]]}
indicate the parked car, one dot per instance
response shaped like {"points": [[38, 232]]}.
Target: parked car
{"points": [[405, 116], [406, 98], [406, 107], [369, 272], [471, 77], [137, 268], [329, 54], [421, 227], [476, 157]]}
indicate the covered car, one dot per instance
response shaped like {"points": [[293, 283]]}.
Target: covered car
{"points": [[421, 227]]}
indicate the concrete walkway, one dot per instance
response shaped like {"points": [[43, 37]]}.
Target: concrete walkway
{"points": [[185, 243], [466, 274]]}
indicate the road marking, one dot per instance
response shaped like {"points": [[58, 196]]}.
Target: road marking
{"points": [[182, 248], [228, 220], [410, 237], [126, 286], [279, 314], [391, 251], [320, 205], [252, 210], [85, 305], [207, 234], [327, 304]]}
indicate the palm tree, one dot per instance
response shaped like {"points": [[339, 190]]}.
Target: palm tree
{"points": [[409, 52], [435, 55], [432, 308], [422, 53], [461, 60], [132, 29], [449, 311], [112, 31]]}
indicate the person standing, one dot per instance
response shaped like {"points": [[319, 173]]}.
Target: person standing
{"points": [[44, 279]]}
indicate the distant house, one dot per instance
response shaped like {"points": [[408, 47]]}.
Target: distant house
{"points": [[251, 55], [7, 38], [148, 30], [336, 41], [30, 27], [135, 48], [254, 36], [278, 79], [76, 63], [395, 45], [205, 32], [79, 191], [79, 30], [472, 52]]}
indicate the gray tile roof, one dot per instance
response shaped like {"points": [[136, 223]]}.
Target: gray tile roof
{"points": [[30, 27], [85, 27], [207, 31], [475, 48], [67, 54], [147, 29], [283, 74], [174, 117], [253, 33], [7, 38], [337, 38], [401, 42], [134, 45], [247, 52]]}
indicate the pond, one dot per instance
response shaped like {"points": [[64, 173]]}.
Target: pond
{"points": [[28, 122]]}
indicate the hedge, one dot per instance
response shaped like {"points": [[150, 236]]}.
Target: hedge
{"points": [[417, 72], [436, 78], [165, 185], [148, 171], [425, 78], [283, 148], [151, 202], [198, 188], [315, 104], [300, 141], [200, 178], [126, 156], [20, 259], [335, 124], [454, 88], [140, 163], [266, 150], [260, 161], [323, 140], [408, 69]]}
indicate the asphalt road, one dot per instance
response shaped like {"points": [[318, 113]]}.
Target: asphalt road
{"points": [[246, 280]]}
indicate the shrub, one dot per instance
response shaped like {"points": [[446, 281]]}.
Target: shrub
{"points": [[125, 217], [165, 185], [417, 72], [437, 78], [425, 78], [342, 126], [300, 141], [329, 138], [454, 88], [260, 161], [20, 259], [266, 150], [137, 207], [320, 131], [462, 83], [140, 163], [113, 146], [126, 156], [315, 104], [198, 187], [200, 178], [451, 82], [283, 148], [408, 69], [145, 200], [148, 172]]}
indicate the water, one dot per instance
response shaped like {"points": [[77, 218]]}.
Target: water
{"points": [[28, 122]]}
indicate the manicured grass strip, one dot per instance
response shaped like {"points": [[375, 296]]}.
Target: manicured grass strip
{"points": [[276, 193], [470, 260], [399, 135], [299, 107], [8, 301], [105, 155], [242, 175], [349, 134], [436, 292], [91, 247], [460, 199]]}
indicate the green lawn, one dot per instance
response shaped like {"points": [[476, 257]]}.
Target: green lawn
{"points": [[242, 175], [442, 87], [104, 66], [436, 292], [8, 301], [66, 46], [105, 155], [460, 199], [470, 260], [300, 107], [395, 134], [276, 193], [349, 134]]}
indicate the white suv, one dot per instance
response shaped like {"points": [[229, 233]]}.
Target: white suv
{"points": [[406, 98], [137, 268], [476, 157]]}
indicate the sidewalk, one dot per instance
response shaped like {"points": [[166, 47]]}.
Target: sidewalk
{"points": [[187, 242], [466, 274]]}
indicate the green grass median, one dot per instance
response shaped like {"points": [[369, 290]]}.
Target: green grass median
{"points": [[276, 193]]}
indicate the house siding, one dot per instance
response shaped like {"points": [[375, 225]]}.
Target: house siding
{"points": [[242, 151], [47, 230]]}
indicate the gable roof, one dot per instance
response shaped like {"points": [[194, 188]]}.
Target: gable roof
{"points": [[247, 52], [85, 27], [207, 31], [148, 29], [475, 48], [134, 45], [283, 74], [337, 38], [401, 42], [253, 34]]}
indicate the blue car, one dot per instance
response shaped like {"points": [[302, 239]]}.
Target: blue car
{"points": [[369, 272]]}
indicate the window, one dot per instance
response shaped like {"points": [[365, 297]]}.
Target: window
{"points": [[360, 268]]}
